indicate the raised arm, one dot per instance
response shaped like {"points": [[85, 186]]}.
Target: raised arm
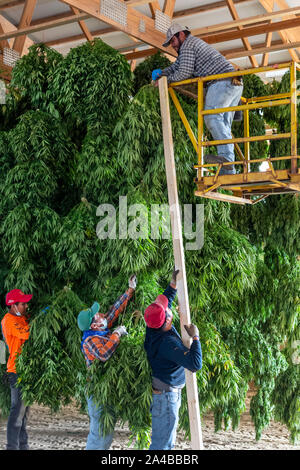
{"points": [[121, 303]]}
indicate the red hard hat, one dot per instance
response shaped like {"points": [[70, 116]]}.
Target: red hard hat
{"points": [[16, 295]]}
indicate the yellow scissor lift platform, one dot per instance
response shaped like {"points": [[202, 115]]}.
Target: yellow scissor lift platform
{"points": [[246, 187]]}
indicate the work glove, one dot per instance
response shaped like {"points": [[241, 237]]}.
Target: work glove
{"points": [[192, 330], [132, 281], [156, 74], [121, 331], [174, 276]]}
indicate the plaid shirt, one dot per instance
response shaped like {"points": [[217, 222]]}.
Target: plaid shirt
{"points": [[196, 58], [102, 347]]}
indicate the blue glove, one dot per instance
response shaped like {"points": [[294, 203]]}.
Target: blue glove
{"points": [[156, 74]]}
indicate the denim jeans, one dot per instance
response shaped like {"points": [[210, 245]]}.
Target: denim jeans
{"points": [[165, 414], [17, 438], [96, 440], [222, 94]]}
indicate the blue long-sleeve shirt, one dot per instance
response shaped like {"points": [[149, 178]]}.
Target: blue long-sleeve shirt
{"points": [[167, 355]]}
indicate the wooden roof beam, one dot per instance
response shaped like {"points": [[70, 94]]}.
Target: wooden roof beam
{"points": [[251, 31], [78, 37], [7, 27], [204, 8], [132, 27], [10, 3], [169, 6], [245, 41], [25, 21], [262, 50], [286, 36], [82, 25], [190, 11], [247, 21], [43, 26], [239, 51], [154, 5], [156, 37], [265, 58], [223, 26], [4, 42], [59, 16]]}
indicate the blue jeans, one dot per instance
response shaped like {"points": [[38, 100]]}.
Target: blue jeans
{"points": [[17, 438], [222, 94], [96, 440], [165, 414]]}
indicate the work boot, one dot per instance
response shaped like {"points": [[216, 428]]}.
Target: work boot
{"points": [[226, 170], [211, 158]]}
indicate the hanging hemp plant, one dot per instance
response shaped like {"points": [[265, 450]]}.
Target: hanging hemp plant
{"points": [[29, 194], [94, 142], [287, 404], [33, 74], [91, 81], [51, 365]]}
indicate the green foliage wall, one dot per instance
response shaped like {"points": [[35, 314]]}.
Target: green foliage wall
{"points": [[80, 131]]}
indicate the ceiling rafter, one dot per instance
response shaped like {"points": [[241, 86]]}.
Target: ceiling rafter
{"points": [[155, 37], [190, 11], [286, 36], [4, 42], [205, 8], [78, 37], [153, 7], [132, 27], [245, 41], [82, 25], [147, 52], [7, 27], [248, 21], [291, 35], [265, 58], [250, 31], [168, 8], [25, 21], [262, 50], [5, 69], [41, 26], [278, 17], [10, 3], [5, 4]]}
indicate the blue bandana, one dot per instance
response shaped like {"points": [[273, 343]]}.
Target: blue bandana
{"points": [[88, 333]]}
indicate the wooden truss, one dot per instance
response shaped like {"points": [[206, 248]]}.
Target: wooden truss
{"points": [[278, 17]]}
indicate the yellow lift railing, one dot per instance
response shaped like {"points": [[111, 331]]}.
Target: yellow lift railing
{"points": [[246, 187]]}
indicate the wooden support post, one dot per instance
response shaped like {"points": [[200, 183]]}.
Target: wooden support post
{"points": [[293, 85], [200, 124], [183, 301], [246, 134]]}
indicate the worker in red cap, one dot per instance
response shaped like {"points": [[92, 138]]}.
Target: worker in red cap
{"points": [[15, 329], [168, 357]]}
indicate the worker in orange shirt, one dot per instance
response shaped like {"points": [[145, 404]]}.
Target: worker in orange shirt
{"points": [[15, 329]]}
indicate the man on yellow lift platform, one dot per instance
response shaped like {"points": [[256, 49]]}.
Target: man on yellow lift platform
{"points": [[196, 58]]}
